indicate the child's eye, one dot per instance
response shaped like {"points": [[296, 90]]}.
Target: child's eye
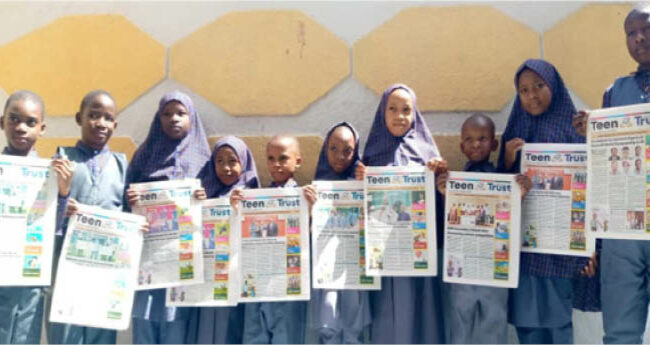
{"points": [[31, 123], [333, 148], [14, 119]]}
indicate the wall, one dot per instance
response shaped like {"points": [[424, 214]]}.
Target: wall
{"points": [[256, 69]]}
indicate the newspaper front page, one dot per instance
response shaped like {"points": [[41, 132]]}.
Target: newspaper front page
{"points": [[98, 269], [553, 212], [618, 198], [220, 261], [400, 229], [482, 229], [28, 194], [172, 254], [274, 227], [338, 234]]}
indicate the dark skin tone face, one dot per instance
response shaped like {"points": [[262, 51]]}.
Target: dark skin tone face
{"points": [[175, 120], [23, 124], [637, 33], [98, 120], [227, 166], [477, 141], [340, 149], [282, 158]]}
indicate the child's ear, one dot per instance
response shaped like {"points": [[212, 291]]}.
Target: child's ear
{"points": [[495, 145], [77, 118], [43, 126], [298, 161]]}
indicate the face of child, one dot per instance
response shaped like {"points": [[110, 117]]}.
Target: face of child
{"points": [[534, 93], [399, 112], [637, 32], [98, 120], [477, 142], [175, 120], [227, 165], [22, 124], [340, 149], [282, 159]]}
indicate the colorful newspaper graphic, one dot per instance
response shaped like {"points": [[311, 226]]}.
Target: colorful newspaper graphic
{"points": [[220, 261], [401, 221], [618, 193], [98, 269], [338, 236], [28, 194], [553, 212], [172, 254], [482, 229], [274, 228]]}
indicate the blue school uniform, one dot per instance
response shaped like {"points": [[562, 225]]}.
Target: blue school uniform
{"points": [[222, 325], [160, 158], [98, 180], [541, 307], [339, 316], [21, 307], [405, 310], [477, 314], [275, 322], [625, 263]]}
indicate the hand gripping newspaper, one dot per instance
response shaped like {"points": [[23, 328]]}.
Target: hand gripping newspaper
{"points": [[618, 192], [401, 221], [220, 261], [553, 220], [274, 227], [482, 229], [338, 238], [98, 269], [172, 254], [28, 195]]}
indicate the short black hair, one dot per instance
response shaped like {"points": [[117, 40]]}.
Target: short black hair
{"points": [[639, 10], [22, 95], [479, 119], [91, 95]]}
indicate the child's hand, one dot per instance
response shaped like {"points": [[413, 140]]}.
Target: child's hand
{"points": [[590, 269], [310, 194], [64, 173], [580, 122], [235, 197], [72, 208], [438, 165], [360, 171], [441, 182], [524, 183], [145, 227], [132, 196], [199, 194], [512, 147]]}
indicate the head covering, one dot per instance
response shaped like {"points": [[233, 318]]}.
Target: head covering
{"points": [[552, 126], [248, 179], [383, 148], [162, 158], [323, 169]]}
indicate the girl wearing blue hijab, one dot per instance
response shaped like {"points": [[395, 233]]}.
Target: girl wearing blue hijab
{"points": [[231, 166], [406, 310], [339, 316], [541, 307], [175, 148]]}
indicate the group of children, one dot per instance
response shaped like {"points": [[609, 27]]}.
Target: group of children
{"points": [[405, 310]]}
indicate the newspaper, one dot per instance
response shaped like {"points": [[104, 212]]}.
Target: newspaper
{"points": [[172, 254], [28, 194], [338, 237], [274, 227], [401, 221], [482, 229], [618, 198], [220, 261], [98, 269], [553, 212]]}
